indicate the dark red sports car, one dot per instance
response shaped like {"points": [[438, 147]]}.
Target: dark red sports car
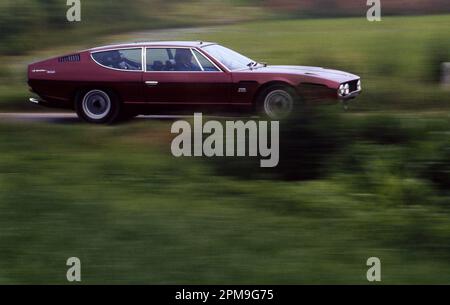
{"points": [[108, 83]]}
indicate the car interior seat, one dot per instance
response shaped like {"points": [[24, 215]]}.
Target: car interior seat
{"points": [[157, 66]]}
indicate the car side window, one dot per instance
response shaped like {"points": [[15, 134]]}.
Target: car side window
{"points": [[159, 60], [205, 62], [127, 59], [175, 59]]}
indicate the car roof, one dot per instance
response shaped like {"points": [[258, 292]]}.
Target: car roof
{"points": [[187, 44]]}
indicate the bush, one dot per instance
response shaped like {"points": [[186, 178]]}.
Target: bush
{"points": [[439, 52], [385, 130], [307, 143], [437, 168]]}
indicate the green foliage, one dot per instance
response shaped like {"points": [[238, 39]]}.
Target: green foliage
{"points": [[24, 23], [348, 187], [385, 130], [433, 164], [307, 141], [438, 53], [117, 199]]}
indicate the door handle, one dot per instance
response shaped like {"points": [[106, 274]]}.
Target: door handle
{"points": [[151, 83]]}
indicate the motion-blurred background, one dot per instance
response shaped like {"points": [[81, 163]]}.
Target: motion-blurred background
{"points": [[372, 181]]}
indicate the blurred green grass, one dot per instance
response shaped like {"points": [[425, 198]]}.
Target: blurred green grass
{"points": [[28, 25], [114, 196], [118, 200], [398, 58]]}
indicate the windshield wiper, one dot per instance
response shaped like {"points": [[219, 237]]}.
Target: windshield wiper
{"points": [[254, 64]]}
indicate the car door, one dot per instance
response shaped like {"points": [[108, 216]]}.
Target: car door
{"points": [[183, 76]]}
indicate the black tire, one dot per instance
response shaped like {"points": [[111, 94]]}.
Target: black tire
{"points": [[98, 106], [290, 102]]}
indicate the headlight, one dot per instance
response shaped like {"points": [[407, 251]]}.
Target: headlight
{"points": [[347, 89], [341, 90], [359, 85]]}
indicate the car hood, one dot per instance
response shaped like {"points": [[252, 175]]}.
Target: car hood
{"points": [[330, 74]]}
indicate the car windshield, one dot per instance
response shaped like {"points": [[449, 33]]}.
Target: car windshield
{"points": [[229, 58]]}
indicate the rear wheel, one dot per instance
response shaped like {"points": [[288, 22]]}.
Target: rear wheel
{"points": [[98, 106], [277, 102]]}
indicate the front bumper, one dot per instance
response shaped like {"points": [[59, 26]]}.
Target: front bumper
{"points": [[350, 96]]}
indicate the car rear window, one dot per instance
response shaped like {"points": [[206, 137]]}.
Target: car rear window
{"points": [[126, 59]]}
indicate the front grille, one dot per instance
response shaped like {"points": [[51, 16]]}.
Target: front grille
{"points": [[70, 58], [353, 85]]}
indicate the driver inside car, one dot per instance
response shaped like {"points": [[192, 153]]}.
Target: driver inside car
{"points": [[118, 61], [184, 61]]}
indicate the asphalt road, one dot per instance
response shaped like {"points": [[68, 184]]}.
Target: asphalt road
{"points": [[39, 117], [52, 117], [65, 117]]}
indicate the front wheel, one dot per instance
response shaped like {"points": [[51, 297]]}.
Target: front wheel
{"points": [[98, 106], [277, 102]]}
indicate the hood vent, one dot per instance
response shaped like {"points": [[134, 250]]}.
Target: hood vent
{"points": [[70, 58]]}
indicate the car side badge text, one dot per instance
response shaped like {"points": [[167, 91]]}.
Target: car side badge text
{"points": [[227, 141], [43, 71]]}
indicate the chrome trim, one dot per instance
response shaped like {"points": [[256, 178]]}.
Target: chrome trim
{"points": [[117, 49], [185, 44], [144, 59], [350, 95], [208, 59], [151, 83], [196, 59], [34, 100]]}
